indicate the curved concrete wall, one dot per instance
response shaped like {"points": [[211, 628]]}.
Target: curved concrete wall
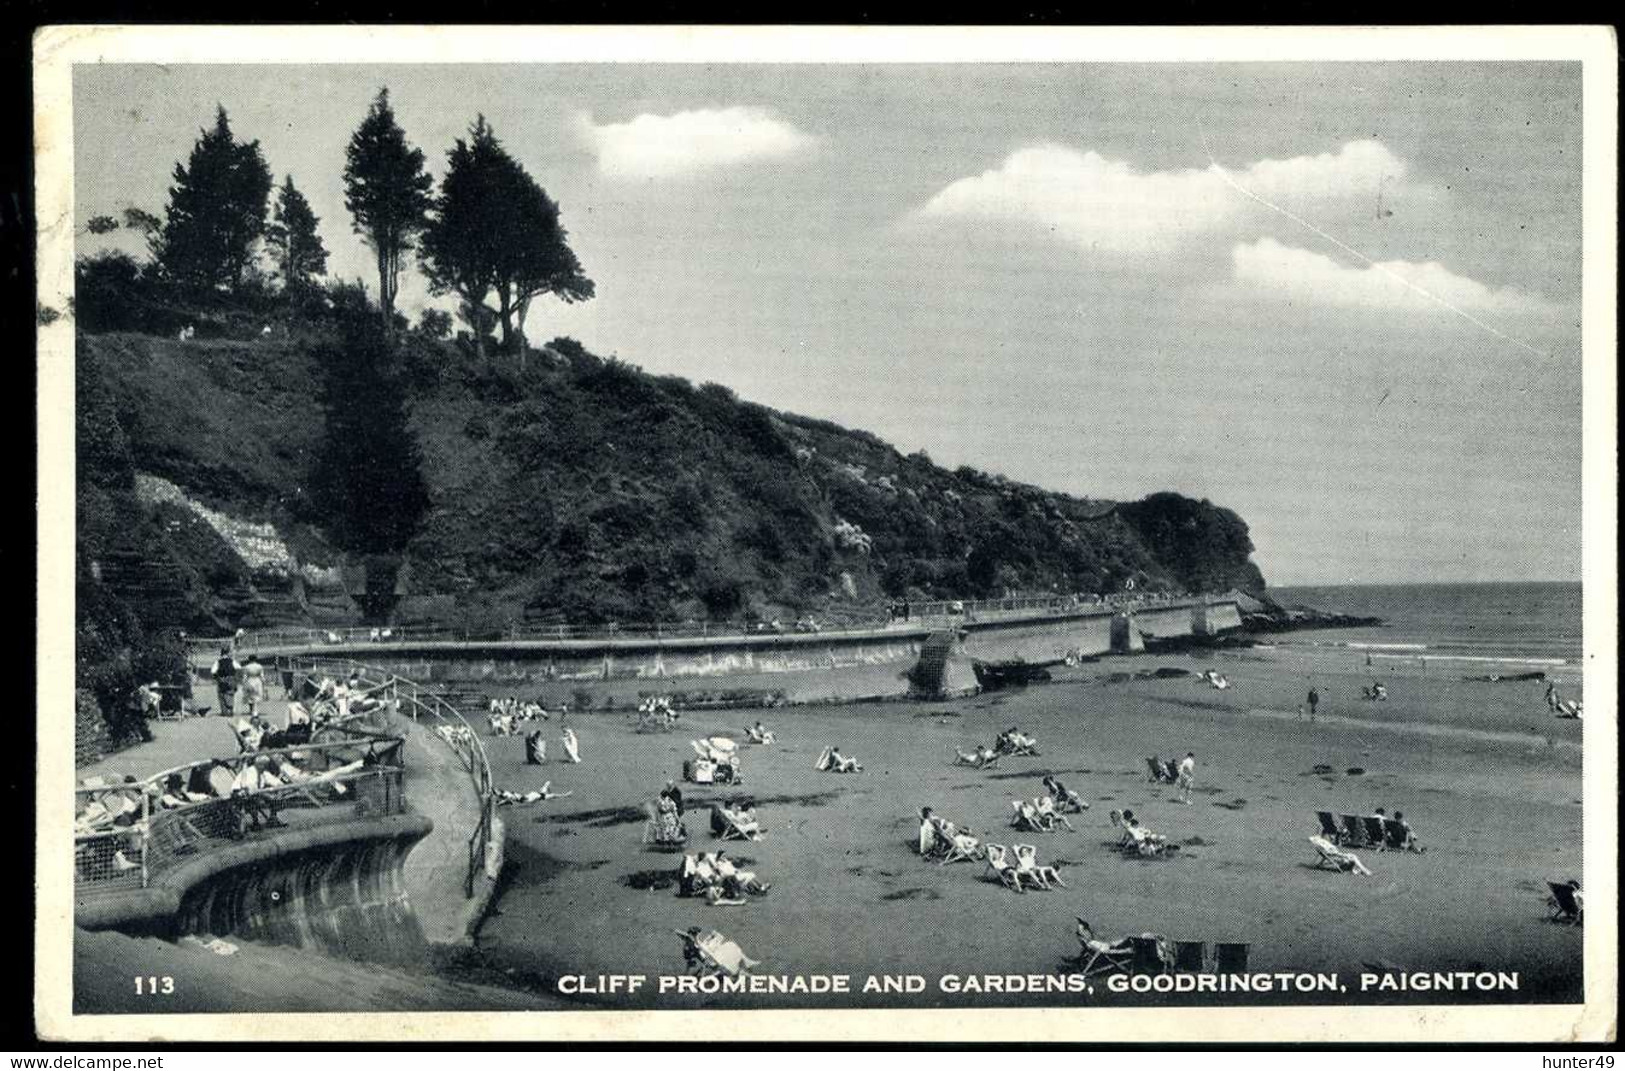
{"points": [[336, 887]]}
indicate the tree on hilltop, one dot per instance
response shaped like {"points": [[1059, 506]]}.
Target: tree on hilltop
{"points": [[367, 477], [216, 214], [294, 242], [495, 231], [387, 192]]}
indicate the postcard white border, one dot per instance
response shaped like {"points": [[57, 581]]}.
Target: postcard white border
{"points": [[57, 49]]}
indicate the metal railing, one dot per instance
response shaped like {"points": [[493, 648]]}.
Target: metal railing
{"points": [[418, 702], [127, 835], [272, 640], [992, 609]]}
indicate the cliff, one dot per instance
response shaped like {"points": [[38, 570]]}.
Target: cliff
{"points": [[563, 486]]}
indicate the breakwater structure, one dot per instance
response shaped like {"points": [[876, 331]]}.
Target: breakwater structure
{"points": [[931, 653]]}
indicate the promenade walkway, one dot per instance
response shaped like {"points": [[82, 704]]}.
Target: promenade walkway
{"points": [[436, 783], [438, 786]]}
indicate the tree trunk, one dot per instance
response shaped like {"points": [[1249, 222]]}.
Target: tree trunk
{"points": [[521, 310], [505, 311], [386, 291]]}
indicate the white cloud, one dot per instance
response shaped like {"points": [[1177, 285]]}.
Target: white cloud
{"points": [[1293, 274], [691, 142], [1106, 204]]}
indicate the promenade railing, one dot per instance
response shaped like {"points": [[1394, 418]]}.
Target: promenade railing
{"points": [[423, 705], [270, 640], [138, 838]]}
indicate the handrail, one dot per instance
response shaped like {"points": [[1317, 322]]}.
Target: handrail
{"points": [[271, 639], [476, 762]]}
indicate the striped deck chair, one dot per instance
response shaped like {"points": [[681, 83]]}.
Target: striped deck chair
{"points": [[1329, 827]]}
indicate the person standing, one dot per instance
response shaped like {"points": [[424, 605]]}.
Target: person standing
{"points": [[1187, 776], [225, 682], [1314, 700], [253, 684]]}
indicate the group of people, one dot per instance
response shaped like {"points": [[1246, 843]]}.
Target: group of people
{"points": [[506, 716], [1181, 775], [830, 760], [716, 878], [1376, 693], [665, 827], [656, 714], [536, 747], [1134, 837], [1015, 742], [1560, 707], [715, 762]]}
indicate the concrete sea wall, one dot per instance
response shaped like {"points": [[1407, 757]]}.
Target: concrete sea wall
{"points": [[804, 668]]}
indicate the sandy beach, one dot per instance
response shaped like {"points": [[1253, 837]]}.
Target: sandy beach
{"points": [[1489, 780]]}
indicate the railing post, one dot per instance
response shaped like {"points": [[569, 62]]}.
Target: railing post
{"points": [[146, 834]]}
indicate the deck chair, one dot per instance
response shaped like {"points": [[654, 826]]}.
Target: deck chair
{"points": [[1334, 858], [962, 849], [1026, 817], [1329, 827], [998, 861], [1399, 837], [1190, 956], [1230, 957], [823, 761], [1101, 957], [1154, 766], [1375, 834], [1353, 830], [726, 827], [1028, 867], [1566, 907], [1147, 955], [723, 956]]}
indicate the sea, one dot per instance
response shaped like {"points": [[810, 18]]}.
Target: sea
{"points": [[1533, 623]]}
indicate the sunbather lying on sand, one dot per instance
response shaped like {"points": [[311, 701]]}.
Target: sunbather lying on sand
{"points": [[979, 758], [506, 798]]}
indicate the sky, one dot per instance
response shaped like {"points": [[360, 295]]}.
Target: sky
{"points": [[1340, 299]]}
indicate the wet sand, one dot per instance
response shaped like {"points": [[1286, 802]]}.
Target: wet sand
{"points": [[1489, 780]]}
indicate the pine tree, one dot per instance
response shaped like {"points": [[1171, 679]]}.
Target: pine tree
{"points": [[216, 214], [294, 242], [495, 232], [387, 192]]}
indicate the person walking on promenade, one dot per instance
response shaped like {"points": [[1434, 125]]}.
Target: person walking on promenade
{"points": [[1314, 700], [253, 684], [225, 682]]}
